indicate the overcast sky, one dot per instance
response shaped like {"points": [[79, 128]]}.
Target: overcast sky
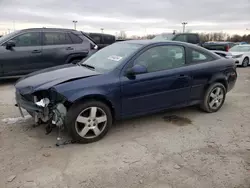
{"points": [[133, 16]]}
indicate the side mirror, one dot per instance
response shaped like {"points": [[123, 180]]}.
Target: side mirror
{"points": [[136, 69], [10, 44], [93, 46]]}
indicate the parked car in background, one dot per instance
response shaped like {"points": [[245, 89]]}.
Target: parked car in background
{"points": [[25, 51], [218, 45], [192, 38], [126, 79], [241, 42], [101, 39], [241, 54]]}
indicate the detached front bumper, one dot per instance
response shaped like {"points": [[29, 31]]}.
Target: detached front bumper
{"points": [[26, 104]]}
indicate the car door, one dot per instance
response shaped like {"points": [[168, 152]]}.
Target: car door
{"points": [[24, 57], [57, 46], [167, 82]]}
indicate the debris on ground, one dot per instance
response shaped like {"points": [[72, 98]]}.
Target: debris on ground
{"points": [[181, 121], [15, 120], [11, 178], [46, 154], [177, 166]]}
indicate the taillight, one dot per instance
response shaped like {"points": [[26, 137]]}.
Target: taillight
{"points": [[227, 48]]}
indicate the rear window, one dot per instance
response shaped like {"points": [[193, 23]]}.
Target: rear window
{"points": [[75, 39], [220, 47]]}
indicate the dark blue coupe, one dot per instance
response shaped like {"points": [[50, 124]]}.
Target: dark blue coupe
{"points": [[125, 79]]}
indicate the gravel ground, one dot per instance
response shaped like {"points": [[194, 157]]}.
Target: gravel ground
{"points": [[194, 149]]}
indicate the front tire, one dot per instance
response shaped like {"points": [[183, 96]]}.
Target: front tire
{"points": [[89, 121], [245, 62], [214, 98]]}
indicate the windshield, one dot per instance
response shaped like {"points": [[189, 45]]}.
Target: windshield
{"points": [[111, 56], [240, 48], [6, 37], [168, 36]]}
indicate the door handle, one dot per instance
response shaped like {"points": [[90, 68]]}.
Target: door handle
{"points": [[182, 75], [69, 48], [36, 51]]}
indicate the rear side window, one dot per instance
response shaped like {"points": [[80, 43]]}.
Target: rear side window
{"points": [[108, 39], [56, 38], [193, 39], [28, 39], [198, 57], [97, 39], [75, 39], [181, 38]]}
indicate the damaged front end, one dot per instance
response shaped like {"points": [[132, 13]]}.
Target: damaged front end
{"points": [[47, 106]]}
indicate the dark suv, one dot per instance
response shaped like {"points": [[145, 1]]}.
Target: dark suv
{"points": [[25, 51], [217, 45], [101, 39]]}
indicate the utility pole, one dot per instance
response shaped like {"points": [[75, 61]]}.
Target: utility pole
{"points": [[74, 21], [184, 25], [14, 26], [102, 29]]}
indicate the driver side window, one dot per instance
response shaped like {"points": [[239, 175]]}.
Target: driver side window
{"points": [[162, 57], [28, 39]]}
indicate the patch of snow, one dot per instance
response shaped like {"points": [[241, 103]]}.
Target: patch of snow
{"points": [[15, 120]]}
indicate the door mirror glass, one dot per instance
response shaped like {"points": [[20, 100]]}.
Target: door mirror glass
{"points": [[10, 44], [93, 46], [136, 69]]}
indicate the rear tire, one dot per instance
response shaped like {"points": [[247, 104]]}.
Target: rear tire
{"points": [[245, 62], [89, 121], [214, 98]]}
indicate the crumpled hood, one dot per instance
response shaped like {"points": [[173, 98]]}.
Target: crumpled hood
{"points": [[50, 77]]}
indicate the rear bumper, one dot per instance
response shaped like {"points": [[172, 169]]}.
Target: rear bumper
{"points": [[231, 81]]}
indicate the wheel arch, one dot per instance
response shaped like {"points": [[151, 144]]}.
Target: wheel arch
{"points": [[96, 97], [246, 57], [217, 79], [74, 57]]}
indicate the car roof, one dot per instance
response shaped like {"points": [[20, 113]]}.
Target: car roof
{"points": [[185, 44], [244, 45], [150, 42], [48, 29], [102, 34], [218, 42]]}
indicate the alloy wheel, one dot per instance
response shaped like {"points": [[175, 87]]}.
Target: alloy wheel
{"points": [[91, 122], [216, 98]]}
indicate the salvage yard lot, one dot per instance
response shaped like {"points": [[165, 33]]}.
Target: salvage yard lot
{"points": [[189, 149]]}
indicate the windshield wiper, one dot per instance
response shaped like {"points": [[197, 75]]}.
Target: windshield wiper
{"points": [[88, 66]]}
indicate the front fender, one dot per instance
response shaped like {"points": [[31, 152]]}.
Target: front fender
{"points": [[82, 94]]}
